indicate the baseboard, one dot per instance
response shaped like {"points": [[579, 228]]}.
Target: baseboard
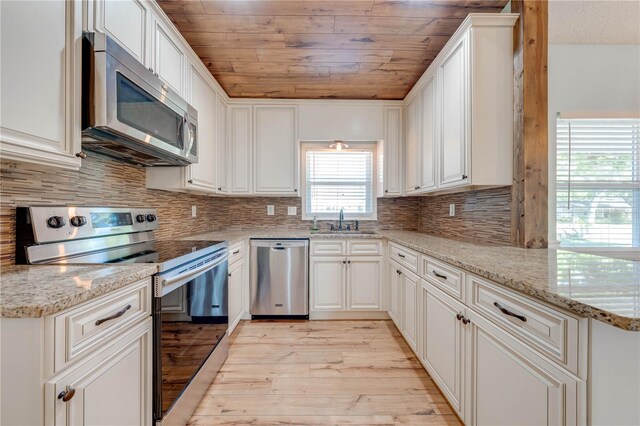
{"points": [[355, 315]]}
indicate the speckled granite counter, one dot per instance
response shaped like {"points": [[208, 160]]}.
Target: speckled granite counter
{"points": [[597, 287], [31, 291]]}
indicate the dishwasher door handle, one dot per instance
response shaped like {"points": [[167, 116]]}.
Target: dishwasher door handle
{"points": [[278, 248]]}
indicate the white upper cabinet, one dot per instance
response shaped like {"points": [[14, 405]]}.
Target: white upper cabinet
{"points": [[453, 100], [169, 58], [412, 145], [204, 99], [222, 145], [276, 149], [429, 135], [40, 88], [391, 184], [239, 155], [466, 93], [126, 21]]}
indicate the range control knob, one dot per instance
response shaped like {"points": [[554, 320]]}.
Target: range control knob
{"points": [[151, 218], [78, 221], [140, 218], [56, 222]]}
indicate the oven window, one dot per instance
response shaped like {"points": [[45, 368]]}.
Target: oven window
{"points": [[191, 321], [138, 109]]}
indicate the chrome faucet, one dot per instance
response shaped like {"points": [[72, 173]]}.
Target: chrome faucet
{"points": [[341, 219]]}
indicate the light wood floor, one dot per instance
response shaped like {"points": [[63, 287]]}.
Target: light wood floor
{"points": [[321, 373]]}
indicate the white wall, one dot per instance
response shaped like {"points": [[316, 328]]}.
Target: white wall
{"points": [[591, 80]]}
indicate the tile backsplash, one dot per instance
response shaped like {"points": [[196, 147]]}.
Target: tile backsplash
{"points": [[482, 216]]}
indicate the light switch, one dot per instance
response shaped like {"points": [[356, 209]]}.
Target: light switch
{"points": [[271, 210], [292, 211], [194, 211], [452, 209]]}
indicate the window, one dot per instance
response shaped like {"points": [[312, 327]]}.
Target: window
{"points": [[598, 182], [339, 179]]}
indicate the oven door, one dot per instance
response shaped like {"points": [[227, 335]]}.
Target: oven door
{"points": [[190, 321]]}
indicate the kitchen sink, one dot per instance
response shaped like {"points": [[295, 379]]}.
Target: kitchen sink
{"points": [[344, 233]]}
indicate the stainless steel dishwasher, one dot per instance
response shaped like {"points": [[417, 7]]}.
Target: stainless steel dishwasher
{"points": [[279, 278]]}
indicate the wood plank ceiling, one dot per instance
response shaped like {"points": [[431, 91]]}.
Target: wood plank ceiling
{"points": [[347, 49]]}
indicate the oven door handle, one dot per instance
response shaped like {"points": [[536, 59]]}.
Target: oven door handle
{"points": [[167, 285]]}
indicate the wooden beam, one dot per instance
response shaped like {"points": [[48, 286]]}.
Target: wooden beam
{"points": [[529, 224]]}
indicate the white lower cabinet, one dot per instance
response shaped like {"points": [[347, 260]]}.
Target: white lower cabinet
{"points": [[112, 388], [328, 281], [410, 307], [364, 278], [442, 343], [510, 384], [350, 280], [490, 374], [236, 281]]}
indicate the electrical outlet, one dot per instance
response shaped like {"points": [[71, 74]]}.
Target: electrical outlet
{"points": [[292, 211], [271, 210], [194, 211], [452, 210]]}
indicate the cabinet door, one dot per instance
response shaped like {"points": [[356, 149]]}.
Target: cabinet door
{"points": [[411, 145], [240, 149], [202, 97], [364, 279], [126, 22], [276, 149], [442, 345], [427, 156], [512, 385], [410, 285], [452, 83], [111, 388], [40, 85], [222, 146], [392, 158], [328, 278], [236, 280], [395, 295], [169, 60]]}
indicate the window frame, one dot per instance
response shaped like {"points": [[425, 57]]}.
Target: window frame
{"points": [[371, 147]]}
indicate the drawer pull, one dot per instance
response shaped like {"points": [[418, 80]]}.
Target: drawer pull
{"points": [[444, 277], [459, 317], [465, 321], [508, 312], [118, 314], [401, 255], [67, 394], [236, 252]]}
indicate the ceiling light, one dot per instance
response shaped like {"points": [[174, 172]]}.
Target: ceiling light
{"points": [[338, 145]]}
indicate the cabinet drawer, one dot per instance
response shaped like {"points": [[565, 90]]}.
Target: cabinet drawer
{"points": [[329, 248], [553, 333], [404, 256], [364, 248], [84, 328], [443, 276], [236, 252]]}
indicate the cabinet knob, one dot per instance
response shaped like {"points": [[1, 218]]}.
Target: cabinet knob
{"points": [[344, 261], [295, 190], [386, 190], [464, 176], [67, 394], [348, 261], [459, 317], [465, 320], [190, 181], [229, 274], [81, 155], [219, 188], [417, 187]]}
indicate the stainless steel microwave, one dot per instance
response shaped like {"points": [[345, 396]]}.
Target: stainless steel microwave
{"points": [[128, 113]]}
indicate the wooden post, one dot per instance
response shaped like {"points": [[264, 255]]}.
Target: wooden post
{"points": [[529, 221]]}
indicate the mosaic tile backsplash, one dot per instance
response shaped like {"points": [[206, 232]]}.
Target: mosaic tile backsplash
{"points": [[481, 216]]}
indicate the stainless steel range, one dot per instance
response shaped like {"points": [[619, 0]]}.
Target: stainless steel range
{"points": [[190, 289]]}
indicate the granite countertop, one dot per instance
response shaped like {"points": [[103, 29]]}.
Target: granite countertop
{"points": [[32, 291], [598, 287]]}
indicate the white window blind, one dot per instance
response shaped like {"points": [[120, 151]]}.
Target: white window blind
{"points": [[339, 179], [598, 182]]}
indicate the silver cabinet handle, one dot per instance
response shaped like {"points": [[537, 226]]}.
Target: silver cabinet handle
{"points": [[118, 314], [509, 313]]}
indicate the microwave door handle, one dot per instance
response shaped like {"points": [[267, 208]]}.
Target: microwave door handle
{"points": [[181, 126], [189, 135]]}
